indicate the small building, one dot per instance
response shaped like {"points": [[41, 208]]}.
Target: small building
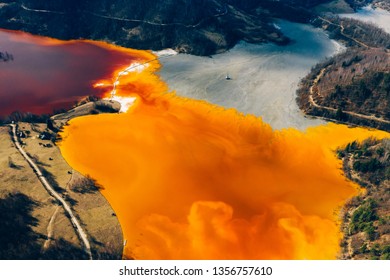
{"points": [[45, 135], [21, 134]]}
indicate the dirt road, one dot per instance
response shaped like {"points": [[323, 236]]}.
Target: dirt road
{"points": [[75, 222]]}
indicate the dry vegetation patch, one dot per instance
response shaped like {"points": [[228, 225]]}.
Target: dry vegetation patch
{"points": [[51, 235], [354, 86]]}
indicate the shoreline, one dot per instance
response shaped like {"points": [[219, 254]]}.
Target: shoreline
{"points": [[263, 77], [178, 119]]}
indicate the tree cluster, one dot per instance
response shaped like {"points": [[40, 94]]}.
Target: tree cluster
{"points": [[5, 56], [369, 224]]}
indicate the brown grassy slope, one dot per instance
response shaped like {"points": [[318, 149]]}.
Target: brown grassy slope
{"points": [[16, 176], [91, 207], [88, 204]]}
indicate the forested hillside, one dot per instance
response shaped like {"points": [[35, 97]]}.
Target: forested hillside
{"points": [[199, 27]]}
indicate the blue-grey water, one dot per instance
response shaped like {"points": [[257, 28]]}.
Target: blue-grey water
{"points": [[264, 78]]}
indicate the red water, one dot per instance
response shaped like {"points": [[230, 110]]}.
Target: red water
{"points": [[47, 74]]}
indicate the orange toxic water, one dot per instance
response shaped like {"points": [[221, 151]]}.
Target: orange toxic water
{"points": [[191, 180]]}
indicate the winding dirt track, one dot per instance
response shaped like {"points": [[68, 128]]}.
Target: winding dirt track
{"points": [[314, 89], [40, 11], [157, 23], [75, 222], [220, 14], [50, 230], [345, 35]]}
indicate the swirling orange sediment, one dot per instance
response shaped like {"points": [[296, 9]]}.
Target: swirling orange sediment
{"points": [[191, 180]]}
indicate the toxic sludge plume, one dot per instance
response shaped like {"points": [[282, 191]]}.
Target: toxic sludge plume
{"points": [[190, 180]]}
